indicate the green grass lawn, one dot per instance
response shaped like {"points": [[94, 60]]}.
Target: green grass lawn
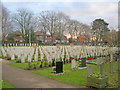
{"points": [[6, 85], [23, 65], [78, 77]]}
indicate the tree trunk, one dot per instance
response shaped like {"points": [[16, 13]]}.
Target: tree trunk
{"points": [[71, 39], [44, 37], [52, 38]]}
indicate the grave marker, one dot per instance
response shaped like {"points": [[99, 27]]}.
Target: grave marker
{"points": [[111, 67], [111, 63], [119, 63], [89, 70], [83, 62], [73, 64], [99, 61], [59, 67], [102, 69], [29, 58], [12, 57]]}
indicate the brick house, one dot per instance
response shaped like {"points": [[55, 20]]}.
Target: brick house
{"points": [[64, 39], [83, 38], [40, 36], [18, 39]]}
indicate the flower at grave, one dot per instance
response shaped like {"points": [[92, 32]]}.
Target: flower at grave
{"points": [[54, 69], [91, 75], [97, 75], [90, 58], [70, 57]]}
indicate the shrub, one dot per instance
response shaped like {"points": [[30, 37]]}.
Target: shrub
{"points": [[46, 63], [53, 62], [29, 66], [41, 65], [8, 58], [35, 66], [18, 60]]}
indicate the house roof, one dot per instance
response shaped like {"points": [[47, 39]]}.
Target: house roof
{"points": [[37, 33], [18, 32]]}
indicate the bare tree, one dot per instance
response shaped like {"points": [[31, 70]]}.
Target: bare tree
{"points": [[6, 23], [24, 21], [61, 24], [111, 37], [43, 23], [86, 30], [51, 22], [70, 28]]}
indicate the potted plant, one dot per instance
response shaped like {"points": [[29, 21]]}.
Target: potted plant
{"points": [[97, 80]]}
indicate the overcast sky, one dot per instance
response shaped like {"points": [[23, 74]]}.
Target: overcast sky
{"points": [[84, 11]]}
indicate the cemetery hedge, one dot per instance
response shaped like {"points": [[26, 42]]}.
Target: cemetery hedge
{"points": [[78, 77]]}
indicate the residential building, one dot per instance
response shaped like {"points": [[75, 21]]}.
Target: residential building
{"points": [[40, 36], [18, 39]]}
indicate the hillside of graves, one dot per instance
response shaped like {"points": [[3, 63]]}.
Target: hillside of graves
{"points": [[68, 64]]}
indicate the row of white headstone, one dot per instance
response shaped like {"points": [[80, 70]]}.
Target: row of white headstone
{"points": [[52, 52], [22, 44]]}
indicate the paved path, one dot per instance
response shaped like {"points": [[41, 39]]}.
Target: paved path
{"points": [[25, 79]]}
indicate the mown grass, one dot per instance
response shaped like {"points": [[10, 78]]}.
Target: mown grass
{"points": [[78, 77], [26, 65], [5, 84]]}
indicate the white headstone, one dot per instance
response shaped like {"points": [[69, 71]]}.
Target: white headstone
{"points": [[36, 57], [73, 64], [22, 59], [13, 57], [29, 58], [99, 61]]}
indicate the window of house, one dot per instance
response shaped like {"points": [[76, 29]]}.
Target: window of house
{"points": [[48, 36], [21, 40], [40, 36]]}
